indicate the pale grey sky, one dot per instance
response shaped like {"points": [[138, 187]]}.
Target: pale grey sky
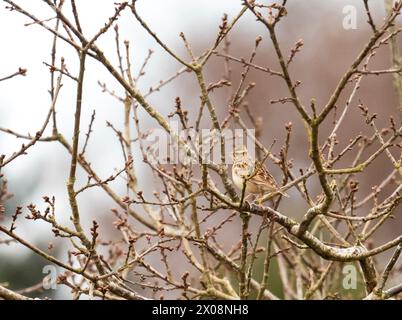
{"points": [[24, 101]]}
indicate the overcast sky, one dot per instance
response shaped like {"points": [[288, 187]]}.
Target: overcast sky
{"points": [[24, 101]]}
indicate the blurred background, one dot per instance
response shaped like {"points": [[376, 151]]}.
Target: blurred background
{"points": [[24, 101]]}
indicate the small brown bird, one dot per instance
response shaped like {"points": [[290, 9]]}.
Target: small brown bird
{"points": [[253, 174]]}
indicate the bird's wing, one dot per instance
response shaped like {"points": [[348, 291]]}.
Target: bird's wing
{"points": [[264, 177]]}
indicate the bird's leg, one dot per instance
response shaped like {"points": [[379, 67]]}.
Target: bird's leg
{"points": [[258, 199], [250, 195]]}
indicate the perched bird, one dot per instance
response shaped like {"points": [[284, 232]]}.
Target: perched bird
{"points": [[253, 174]]}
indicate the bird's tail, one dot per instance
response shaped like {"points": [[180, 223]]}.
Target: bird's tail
{"points": [[283, 193]]}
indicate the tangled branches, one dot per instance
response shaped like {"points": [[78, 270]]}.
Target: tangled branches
{"points": [[195, 198]]}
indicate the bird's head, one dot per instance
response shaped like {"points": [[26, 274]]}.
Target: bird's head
{"points": [[240, 153]]}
